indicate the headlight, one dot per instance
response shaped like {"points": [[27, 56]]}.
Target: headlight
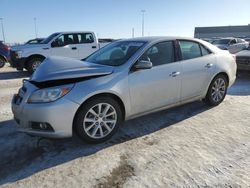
{"points": [[19, 54], [49, 94]]}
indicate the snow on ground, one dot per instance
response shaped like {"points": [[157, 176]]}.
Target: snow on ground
{"points": [[188, 146]]}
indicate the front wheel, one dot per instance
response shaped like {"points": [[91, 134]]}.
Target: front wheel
{"points": [[98, 119], [217, 90], [2, 62], [33, 64]]}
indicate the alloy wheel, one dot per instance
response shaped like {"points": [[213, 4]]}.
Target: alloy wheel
{"points": [[100, 120], [218, 90]]}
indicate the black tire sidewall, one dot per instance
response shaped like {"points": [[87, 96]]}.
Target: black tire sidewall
{"points": [[30, 63], [209, 98], [78, 122], [2, 62]]}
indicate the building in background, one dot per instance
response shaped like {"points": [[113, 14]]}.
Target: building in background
{"points": [[222, 31]]}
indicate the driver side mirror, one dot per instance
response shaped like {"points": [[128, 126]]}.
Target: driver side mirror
{"points": [[142, 64], [54, 44]]}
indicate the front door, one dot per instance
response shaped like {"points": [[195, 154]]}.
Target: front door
{"points": [[65, 45], [159, 86]]}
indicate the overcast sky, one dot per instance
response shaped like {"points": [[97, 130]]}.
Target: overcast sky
{"points": [[116, 18]]}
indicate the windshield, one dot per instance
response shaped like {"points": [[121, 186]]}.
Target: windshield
{"points": [[222, 41], [49, 38], [116, 53]]}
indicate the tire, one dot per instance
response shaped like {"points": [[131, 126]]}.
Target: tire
{"points": [[217, 90], [94, 127], [2, 62], [33, 64]]}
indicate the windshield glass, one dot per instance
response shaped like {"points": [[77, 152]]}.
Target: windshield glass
{"points": [[116, 53], [222, 41], [49, 38]]}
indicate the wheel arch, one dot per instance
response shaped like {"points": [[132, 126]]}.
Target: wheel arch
{"points": [[3, 57], [220, 73], [31, 57], [106, 94]]}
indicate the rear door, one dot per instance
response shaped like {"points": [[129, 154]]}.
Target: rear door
{"points": [[65, 45], [159, 86], [197, 68], [87, 44]]}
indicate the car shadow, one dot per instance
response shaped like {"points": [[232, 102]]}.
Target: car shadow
{"points": [[242, 85], [13, 75], [22, 156]]}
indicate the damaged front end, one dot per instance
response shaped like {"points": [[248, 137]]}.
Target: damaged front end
{"points": [[56, 71]]}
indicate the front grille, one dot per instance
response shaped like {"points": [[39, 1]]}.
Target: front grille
{"points": [[13, 55], [243, 60]]}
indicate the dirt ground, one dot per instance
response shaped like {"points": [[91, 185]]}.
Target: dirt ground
{"points": [[188, 146]]}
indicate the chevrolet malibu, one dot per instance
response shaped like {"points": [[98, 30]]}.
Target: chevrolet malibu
{"points": [[124, 80]]}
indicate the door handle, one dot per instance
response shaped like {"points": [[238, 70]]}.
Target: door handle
{"points": [[174, 74], [74, 48], [209, 65], [93, 46]]}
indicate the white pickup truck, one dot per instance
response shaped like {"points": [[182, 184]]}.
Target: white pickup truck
{"points": [[67, 44]]}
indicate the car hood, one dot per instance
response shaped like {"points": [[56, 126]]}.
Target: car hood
{"points": [[245, 53], [61, 68], [28, 46]]}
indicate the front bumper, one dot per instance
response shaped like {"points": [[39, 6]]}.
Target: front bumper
{"points": [[243, 63], [18, 63], [58, 114]]}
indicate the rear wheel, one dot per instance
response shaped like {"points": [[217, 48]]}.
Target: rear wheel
{"points": [[217, 90], [34, 63], [98, 119], [2, 62]]}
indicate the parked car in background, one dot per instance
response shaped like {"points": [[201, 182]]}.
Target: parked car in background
{"points": [[234, 45], [76, 45], [123, 80], [4, 53], [243, 59], [35, 41]]}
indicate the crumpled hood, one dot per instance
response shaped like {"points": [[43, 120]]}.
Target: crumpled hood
{"points": [[61, 68]]}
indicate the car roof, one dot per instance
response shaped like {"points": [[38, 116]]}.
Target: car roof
{"points": [[66, 32], [157, 38]]}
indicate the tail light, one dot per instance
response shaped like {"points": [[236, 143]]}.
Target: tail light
{"points": [[5, 47]]}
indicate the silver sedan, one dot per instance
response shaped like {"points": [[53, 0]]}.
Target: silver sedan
{"points": [[121, 81]]}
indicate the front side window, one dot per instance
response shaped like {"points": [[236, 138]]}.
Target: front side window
{"points": [[190, 50], [65, 39], [115, 54], [159, 54], [233, 41]]}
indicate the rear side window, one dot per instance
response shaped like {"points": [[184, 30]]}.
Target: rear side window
{"points": [[204, 51], [85, 38], [161, 53], [190, 50]]}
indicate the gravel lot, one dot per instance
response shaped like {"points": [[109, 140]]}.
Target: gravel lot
{"points": [[188, 146]]}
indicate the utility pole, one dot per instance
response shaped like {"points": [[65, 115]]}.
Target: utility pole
{"points": [[2, 29], [133, 32], [35, 27], [143, 12]]}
